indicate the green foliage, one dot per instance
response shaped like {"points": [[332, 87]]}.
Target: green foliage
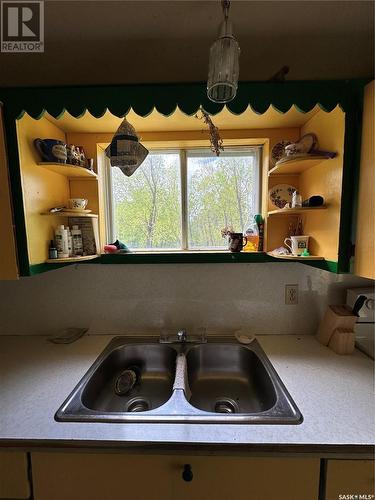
{"points": [[147, 205], [221, 192]]}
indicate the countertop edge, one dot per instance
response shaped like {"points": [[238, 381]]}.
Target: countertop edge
{"points": [[321, 450]]}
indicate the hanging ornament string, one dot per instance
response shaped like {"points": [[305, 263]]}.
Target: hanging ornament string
{"points": [[215, 140], [225, 4]]}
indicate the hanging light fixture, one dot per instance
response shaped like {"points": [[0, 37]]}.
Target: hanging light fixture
{"points": [[224, 67], [125, 150]]}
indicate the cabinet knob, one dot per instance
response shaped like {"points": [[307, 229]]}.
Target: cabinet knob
{"points": [[187, 473]]}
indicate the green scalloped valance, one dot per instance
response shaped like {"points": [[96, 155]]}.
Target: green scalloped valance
{"points": [[187, 97]]}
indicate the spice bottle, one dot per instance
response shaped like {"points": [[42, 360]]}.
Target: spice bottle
{"points": [[52, 251], [70, 242], [260, 224], [61, 238], [296, 200], [77, 241]]}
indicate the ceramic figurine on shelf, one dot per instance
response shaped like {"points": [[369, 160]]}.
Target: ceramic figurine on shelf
{"points": [[73, 155], [306, 146], [81, 156], [51, 150], [116, 247]]}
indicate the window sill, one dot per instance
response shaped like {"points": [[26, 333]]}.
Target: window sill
{"points": [[185, 257], [205, 257]]}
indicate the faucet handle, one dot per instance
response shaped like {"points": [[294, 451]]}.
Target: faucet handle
{"points": [[182, 335]]}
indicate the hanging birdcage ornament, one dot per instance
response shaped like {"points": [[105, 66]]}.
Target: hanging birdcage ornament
{"points": [[125, 150]]}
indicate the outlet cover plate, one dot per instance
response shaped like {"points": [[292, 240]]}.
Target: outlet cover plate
{"points": [[291, 295]]}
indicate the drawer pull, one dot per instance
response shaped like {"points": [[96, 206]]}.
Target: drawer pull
{"points": [[187, 473]]}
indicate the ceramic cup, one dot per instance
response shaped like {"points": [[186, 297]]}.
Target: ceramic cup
{"points": [[78, 203], [298, 244], [51, 150], [236, 242]]}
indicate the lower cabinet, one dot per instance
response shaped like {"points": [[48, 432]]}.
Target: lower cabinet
{"points": [[350, 479], [84, 476], [14, 482]]}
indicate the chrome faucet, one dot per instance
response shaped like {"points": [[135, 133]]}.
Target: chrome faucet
{"points": [[182, 335]]}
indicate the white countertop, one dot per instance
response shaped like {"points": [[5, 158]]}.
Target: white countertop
{"points": [[334, 393]]}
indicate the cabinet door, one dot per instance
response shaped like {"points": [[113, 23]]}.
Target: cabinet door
{"points": [[8, 256], [350, 477], [13, 475], [83, 476], [238, 478], [364, 264]]}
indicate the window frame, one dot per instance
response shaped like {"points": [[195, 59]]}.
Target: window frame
{"points": [[183, 158]]}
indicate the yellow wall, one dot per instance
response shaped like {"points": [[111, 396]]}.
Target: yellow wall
{"points": [[365, 240], [42, 189], [325, 179], [8, 255], [159, 140], [277, 226]]}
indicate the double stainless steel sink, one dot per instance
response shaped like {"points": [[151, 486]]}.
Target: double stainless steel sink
{"points": [[217, 382]]}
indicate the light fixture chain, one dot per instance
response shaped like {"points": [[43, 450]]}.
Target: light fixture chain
{"points": [[225, 4]]}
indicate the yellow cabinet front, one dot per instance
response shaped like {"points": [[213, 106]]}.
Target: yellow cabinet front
{"points": [[84, 476], [350, 479], [14, 482]]}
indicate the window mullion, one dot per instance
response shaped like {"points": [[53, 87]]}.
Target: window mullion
{"points": [[108, 197], [184, 203]]}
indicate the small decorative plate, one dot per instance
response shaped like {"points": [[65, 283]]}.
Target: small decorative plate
{"points": [[278, 151], [281, 194]]}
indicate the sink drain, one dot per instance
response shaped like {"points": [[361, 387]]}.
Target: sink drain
{"points": [[138, 404], [225, 406], [125, 382]]}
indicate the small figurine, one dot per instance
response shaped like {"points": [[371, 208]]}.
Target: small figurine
{"points": [[116, 247], [73, 154]]}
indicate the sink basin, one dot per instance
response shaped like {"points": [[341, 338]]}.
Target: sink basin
{"points": [[229, 379], [217, 382], [155, 366]]}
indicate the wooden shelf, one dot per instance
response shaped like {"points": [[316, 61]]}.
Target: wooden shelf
{"points": [[295, 257], [68, 170], [297, 165], [72, 259], [70, 214], [295, 211]]}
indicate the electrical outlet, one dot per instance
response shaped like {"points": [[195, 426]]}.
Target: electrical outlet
{"points": [[291, 295]]}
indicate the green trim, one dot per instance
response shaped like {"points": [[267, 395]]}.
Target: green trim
{"points": [[185, 258], [44, 267], [350, 180], [326, 265], [188, 97], [16, 192]]}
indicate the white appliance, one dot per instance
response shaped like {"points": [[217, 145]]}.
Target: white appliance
{"points": [[365, 325]]}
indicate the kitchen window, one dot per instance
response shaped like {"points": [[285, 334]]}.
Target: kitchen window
{"points": [[179, 200]]}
